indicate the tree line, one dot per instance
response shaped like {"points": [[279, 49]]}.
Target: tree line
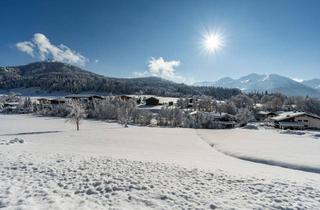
{"points": [[191, 112]]}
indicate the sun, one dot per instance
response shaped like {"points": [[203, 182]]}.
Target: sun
{"points": [[212, 42]]}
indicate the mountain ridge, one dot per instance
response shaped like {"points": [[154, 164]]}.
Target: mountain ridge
{"points": [[56, 76], [268, 82]]}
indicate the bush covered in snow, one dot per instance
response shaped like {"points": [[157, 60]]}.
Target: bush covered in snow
{"points": [[11, 141]]}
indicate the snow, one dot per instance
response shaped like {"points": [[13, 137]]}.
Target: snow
{"points": [[107, 166], [245, 81], [286, 149], [11, 141]]}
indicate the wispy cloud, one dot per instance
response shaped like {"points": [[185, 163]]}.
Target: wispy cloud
{"points": [[45, 49], [26, 47]]}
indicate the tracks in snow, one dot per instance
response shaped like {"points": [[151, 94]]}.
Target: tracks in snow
{"points": [[264, 161]]}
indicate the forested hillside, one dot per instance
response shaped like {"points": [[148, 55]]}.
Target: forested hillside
{"points": [[56, 76]]}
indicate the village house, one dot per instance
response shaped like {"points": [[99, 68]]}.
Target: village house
{"points": [[152, 101], [296, 120]]}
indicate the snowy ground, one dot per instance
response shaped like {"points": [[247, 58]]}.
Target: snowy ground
{"points": [[291, 149], [107, 166]]}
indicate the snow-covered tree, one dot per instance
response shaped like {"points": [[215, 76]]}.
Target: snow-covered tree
{"points": [[142, 117], [125, 111], [203, 103], [242, 101], [27, 105], [183, 103], [77, 113], [227, 107], [244, 116]]}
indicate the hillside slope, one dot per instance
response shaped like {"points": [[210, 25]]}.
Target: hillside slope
{"points": [[56, 76]]}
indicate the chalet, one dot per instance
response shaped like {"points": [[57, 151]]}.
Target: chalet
{"points": [[296, 120], [263, 115], [152, 101]]}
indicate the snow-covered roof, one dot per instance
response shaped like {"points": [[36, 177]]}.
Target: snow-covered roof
{"points": [[289, 115], [265, 112], [11, 103]]}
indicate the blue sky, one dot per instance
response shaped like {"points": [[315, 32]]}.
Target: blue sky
{"points": [[129, 38]]}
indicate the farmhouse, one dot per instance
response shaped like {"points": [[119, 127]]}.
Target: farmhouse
{"points": [[296, 120], [152, 101]]}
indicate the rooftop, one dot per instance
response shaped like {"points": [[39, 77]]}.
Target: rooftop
{"points": [[289, 115]]}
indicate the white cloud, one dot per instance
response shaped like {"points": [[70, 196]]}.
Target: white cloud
{"points": [[162, 68], [165, 69], [45, 50], [96, 61], [26, 47]]}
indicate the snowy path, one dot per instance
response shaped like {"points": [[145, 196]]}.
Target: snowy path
{"points": [[106, 165]]}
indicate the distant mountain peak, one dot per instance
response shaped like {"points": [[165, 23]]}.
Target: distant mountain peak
{"points": [[272, 83], [313, 83]]}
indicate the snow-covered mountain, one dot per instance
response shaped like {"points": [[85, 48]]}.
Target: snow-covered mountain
{"points": [[313, 83], [270, 83]]}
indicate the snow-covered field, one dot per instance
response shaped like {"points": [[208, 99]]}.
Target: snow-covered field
{"points": [[291, 149], [106, 166]]}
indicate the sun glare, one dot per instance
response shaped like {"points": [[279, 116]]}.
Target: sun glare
{"points": [[212, 42]]}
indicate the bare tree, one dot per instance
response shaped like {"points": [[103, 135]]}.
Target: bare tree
{"points": [[77, 113]]}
